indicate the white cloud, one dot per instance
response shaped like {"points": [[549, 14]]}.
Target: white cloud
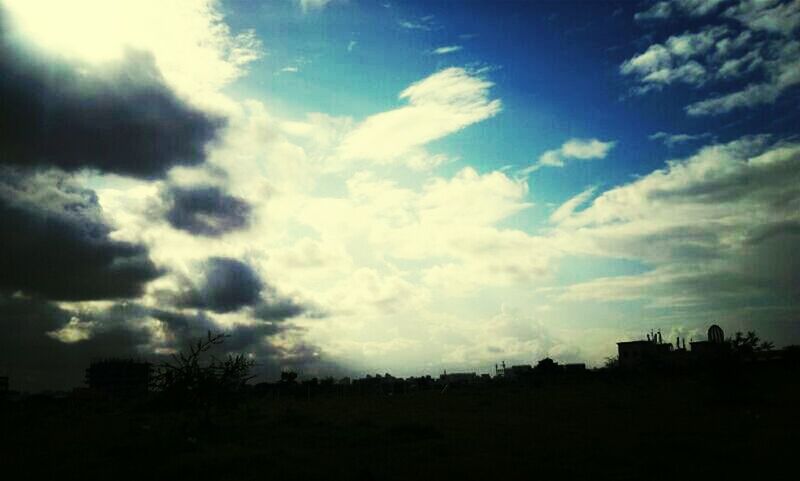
{"points": [[566, 209], [663, 64], [783, 73], [715, 54], [666, 9], [290, 69], [438, 105], [447, 49], [768, 15], [582, 149], [195, 50]]}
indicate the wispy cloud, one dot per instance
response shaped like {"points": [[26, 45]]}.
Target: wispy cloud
{"points": [[447, 49], [290, 70], [671, 140], [351, 45], [438, 105], [583, 149]]}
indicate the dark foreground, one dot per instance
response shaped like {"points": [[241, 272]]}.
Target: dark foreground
{"points": [[713, 426]]}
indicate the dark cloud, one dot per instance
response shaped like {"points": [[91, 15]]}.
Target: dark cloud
{"points": [[35, 360], [278, 309], [120, 118], [55, 242], [205, 210], [227, 285], [35, 353]]}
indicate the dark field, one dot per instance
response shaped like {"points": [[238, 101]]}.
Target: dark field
{"points": [[733, 426]]}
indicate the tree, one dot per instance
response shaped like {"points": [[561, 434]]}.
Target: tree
{"points": [[749, 344], [188, 378], [611, 362]]}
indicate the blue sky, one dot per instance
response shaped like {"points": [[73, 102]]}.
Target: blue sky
{"points": [[415, 186]]}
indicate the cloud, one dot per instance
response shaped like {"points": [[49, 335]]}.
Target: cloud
{"points": [[122, 119], [774, 16], [56, 243], [351, 45], [438, 105], [673, 61], [716, 230], [206, 56], [782, 74], [447, 49], [671, 140], [666, 9], [227, 285], [290, 70], [764, 53], [307, 5], [205, 210], [35, 360], [566, 209], [582, 149]]}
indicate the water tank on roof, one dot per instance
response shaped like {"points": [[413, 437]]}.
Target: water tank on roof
{"points": [[715, 334]]}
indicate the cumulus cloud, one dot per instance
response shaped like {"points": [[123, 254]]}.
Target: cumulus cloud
{"points": [[57, 244], [205, 210], [438, 105], [581, 149]]}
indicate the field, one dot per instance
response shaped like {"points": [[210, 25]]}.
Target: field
{"points": [[733, 426]]}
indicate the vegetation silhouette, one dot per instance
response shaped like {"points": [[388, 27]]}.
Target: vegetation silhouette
{"points": [[548, 420], [190, 379]]}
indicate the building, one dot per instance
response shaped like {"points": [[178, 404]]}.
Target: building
{"points": [[3, 385], [652, 352], [458, 378]]}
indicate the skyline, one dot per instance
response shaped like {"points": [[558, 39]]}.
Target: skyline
{"points": [[404, 187]]}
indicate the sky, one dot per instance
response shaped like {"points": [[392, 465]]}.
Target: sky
{"points": [[353, 187]]}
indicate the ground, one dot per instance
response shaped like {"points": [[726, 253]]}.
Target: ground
{"points": [[734, 426]]}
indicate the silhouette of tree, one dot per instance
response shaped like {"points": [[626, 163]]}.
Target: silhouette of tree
{"points": [[188, 378], [288, 377], [749, 344], [611, 362]]}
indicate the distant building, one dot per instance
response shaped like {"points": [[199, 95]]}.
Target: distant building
{"points": [[3, 385], [459, 378], [645, 353], [119, 376]]}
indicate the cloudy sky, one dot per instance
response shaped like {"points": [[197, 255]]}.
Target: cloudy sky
{"points": [[355, 186]]}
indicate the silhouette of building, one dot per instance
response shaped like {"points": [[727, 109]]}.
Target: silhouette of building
{"points": [[119, 376], [3, 385], [459, 378], [644, 353], [712, 349]]}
